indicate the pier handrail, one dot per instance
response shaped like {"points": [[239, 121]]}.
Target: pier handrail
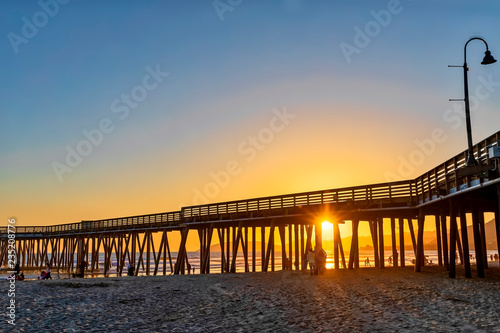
{"points": [[137, 221], [362, 193]]}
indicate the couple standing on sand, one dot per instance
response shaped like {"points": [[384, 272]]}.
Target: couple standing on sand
{"points": [[316, 260]]}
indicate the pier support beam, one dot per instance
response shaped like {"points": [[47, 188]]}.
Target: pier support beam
{"points": [[393, 241], [402, 240], [497, 219], [354, 253], [419, 260], [453, 240], [444, 234], [477, 243], [438, 238], [380, 222]]}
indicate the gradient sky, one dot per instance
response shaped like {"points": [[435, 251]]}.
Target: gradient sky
{"points": [[354, 122]]}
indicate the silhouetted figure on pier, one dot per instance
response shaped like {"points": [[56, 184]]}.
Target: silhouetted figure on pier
{"points": [[367, 262]]}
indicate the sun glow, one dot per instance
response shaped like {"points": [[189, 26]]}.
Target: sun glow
{"points": [[327, 229]]}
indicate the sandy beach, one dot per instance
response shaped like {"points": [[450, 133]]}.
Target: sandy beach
{"points": [[363, 300]]}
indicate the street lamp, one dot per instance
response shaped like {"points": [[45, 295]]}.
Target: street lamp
{"points": [[488, 59]]}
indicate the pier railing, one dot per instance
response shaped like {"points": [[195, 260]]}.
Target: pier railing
{"points": [[395, 193], [129, 222], [443, 179]]}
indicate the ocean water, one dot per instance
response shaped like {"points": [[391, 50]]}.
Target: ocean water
{"points": [[215, 263]]}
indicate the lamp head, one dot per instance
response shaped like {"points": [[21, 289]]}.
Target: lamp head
{"points": [[488, 58]]}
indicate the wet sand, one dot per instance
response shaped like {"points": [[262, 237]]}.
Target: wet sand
{"points": [[363, 300]]}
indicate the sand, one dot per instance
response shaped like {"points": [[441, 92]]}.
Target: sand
{"points": [[363, 300]]}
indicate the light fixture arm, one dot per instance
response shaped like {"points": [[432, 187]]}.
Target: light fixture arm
{"points": [[471, 160]]}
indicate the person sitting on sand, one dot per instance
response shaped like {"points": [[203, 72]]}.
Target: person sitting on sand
{"points": [[47, 276], [43, 276], [130, 270], [311, 259], [20, 277]]}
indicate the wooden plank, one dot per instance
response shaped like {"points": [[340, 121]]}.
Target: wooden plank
{"points": [[281, 230], [354, 242], [208, 242], [236, 245], [483, 238], [444, 235], [290, 243], [438, 238], [465, 240], [228, 248], [341, 248], [381, 241], [245, 249], [182, 250], [402, 241], [459, 249], [157, 259], [373, 231], [477, 243], [393, 242], [270, 245], [420, 241], [453, 242], [141, 251], [262, 248], [169, 255], [296, 247], [148, 252], [254, 245], [302, 247], [412, 234], [221, 233], [336, 241], [497, 219]]}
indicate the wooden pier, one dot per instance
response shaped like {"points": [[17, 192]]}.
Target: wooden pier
{"points": [[449, 193]]}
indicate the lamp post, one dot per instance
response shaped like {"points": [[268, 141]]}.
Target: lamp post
{"points": [[488, 59]]}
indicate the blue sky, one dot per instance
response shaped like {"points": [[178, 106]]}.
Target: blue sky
{"points": [[354, 121]]}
